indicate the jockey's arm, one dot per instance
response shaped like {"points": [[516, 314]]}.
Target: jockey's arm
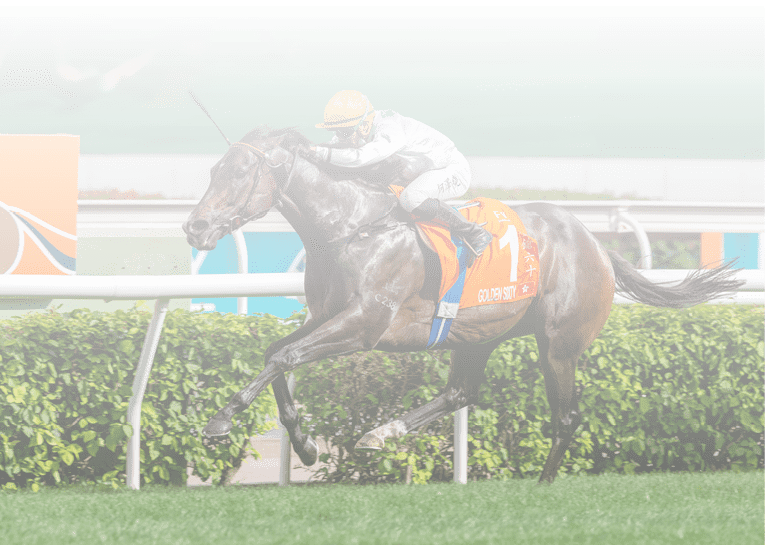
{"points": [[384, 144]]}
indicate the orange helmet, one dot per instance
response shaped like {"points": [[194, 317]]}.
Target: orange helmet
{"points": [[346, 109]]}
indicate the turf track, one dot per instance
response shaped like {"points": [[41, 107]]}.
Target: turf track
{"points": [[725, 508]]}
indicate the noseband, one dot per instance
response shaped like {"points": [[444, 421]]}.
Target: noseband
{"points": [[262, 154]]}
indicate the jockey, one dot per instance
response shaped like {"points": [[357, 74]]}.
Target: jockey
{"points": [[437, 171]]}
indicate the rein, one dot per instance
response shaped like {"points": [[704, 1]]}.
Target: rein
{"points": [[364, 231], [367, 230], [262, 154]]}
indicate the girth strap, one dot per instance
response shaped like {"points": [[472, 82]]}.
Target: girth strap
{"points": [[447, 308]]}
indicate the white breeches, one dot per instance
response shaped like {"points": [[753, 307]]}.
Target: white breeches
{"points": [[445, 183]]}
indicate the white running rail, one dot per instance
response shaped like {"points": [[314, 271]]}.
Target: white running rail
{"points": [[161, 288], [164, 288]]}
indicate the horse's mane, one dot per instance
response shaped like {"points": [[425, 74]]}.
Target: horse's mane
{"points": [[379, 175]]}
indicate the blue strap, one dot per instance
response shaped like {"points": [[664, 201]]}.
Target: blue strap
{"points": [[441, 325]]}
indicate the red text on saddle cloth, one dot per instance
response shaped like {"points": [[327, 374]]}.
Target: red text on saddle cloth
{"points": [[508, 270]]}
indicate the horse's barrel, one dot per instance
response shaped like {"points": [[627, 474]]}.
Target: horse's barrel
{"points": [[9, 240]]}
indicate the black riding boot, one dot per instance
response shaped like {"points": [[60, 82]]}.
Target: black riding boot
{"points": [[475, 237]]}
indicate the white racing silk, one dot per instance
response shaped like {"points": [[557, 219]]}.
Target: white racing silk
{"points": [[393, 134]]}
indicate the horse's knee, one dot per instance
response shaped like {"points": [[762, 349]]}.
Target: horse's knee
{"points": [[471, 397], [456, 398], [270, 351], [281, 361], [570, 421], [238, 400], [463, 387], [576, 419]]}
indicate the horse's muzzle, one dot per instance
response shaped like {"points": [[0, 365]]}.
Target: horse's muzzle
{"points": [[196, 227], [201, 235]]}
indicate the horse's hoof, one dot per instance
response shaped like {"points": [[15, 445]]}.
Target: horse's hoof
{"points": [[309, 452], [370, 442], [217, 426]]}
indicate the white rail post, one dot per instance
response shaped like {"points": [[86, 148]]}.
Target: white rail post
{"points": [[241, 262], [139, 388], [460, 445], [285, 458], [622, 216], [197, 262]]}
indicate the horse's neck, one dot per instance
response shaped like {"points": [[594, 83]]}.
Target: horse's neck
{"points": [[323, 209]]}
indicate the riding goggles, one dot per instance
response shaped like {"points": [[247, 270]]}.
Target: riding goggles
{"points": [[345, 132]]}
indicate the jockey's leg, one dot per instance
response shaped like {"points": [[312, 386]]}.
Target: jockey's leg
{"points": [[423, 196], [475, 236]]}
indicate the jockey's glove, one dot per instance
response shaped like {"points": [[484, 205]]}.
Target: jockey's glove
{"points": [[319, 154], [323, 153]]}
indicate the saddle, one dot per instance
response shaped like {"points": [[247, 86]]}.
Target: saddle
{"points": [[508, 270]]}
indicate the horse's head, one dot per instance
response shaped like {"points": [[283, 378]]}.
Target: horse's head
{"points": [[242, 187]]}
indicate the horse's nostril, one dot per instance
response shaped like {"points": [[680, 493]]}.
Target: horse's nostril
{"points": [[199, 226]]}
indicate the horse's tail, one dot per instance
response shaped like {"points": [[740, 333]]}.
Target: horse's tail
{"points": [[698, 287]]}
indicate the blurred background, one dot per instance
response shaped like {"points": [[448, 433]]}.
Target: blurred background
{"points": [[680, 84], [513, 81]]}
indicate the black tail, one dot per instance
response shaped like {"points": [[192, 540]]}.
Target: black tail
{"points": [[698, 287]]}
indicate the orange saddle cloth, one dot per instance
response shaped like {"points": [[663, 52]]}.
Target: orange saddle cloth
{"points": [[508, 270]]}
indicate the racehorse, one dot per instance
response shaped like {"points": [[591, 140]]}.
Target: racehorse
{"points": [[371, 283]]}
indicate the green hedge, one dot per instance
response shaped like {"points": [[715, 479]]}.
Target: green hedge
{"points": [[66, 379], [660, 390]]}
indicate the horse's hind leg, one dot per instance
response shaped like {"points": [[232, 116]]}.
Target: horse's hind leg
{"points": [[465, 378], [559, 367], [569, 314]]}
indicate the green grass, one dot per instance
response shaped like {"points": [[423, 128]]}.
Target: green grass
{"points": [[725, 508]]}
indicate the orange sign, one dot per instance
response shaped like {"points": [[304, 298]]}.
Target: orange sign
{"points": [[38, 203]]}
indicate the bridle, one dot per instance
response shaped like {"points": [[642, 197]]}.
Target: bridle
{"points": [[379, 225], [280, 198], [240, 220]]}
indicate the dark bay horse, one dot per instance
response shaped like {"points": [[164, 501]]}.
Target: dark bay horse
{"points": [[371, 283]]}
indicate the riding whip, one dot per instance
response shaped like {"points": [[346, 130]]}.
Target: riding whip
{"points": [[198, 102]]}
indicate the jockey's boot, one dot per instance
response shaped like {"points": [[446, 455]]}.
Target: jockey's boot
{"points": [[476, 238]]}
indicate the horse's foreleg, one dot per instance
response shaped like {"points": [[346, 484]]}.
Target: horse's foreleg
{"points": [[350, 331], [304, 445], [465, 378], [220, 424]]}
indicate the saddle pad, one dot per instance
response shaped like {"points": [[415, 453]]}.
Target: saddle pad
{"points": [[508, 270]]}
